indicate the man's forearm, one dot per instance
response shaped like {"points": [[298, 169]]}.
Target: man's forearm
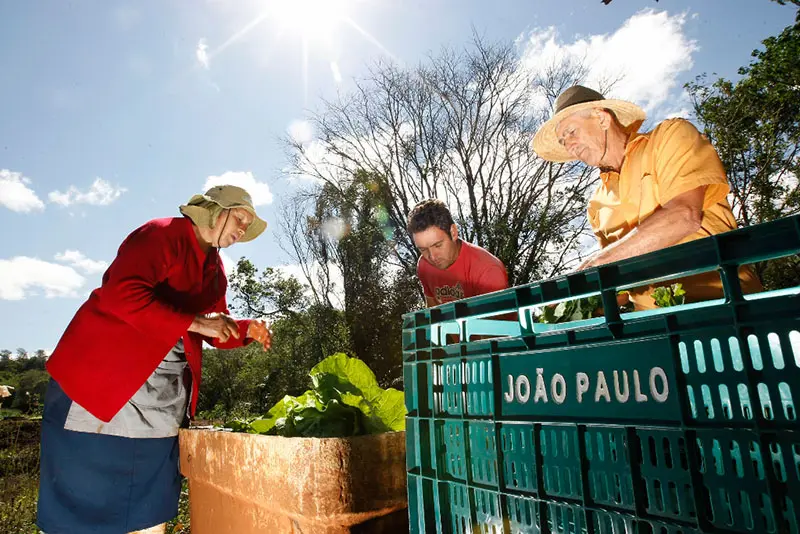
{"points": [[664, 228]]}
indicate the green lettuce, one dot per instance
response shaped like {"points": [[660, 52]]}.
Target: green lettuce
{"points": [[571, 310], [667, 296], [345, 400]]}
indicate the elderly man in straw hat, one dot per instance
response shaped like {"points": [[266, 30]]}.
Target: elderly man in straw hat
{"points": [[658, 189], [126, 371]]}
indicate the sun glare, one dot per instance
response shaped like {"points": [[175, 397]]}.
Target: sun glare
{"points": [[316, 22], [312, 18]]}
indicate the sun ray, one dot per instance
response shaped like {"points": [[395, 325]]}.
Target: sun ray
{"points": [[368, 36], [305, 71], [315, 22], [241, 33]]}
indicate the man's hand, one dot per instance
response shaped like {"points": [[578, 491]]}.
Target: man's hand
{"points": [[668, 225], [215, 325], [258, 331]]}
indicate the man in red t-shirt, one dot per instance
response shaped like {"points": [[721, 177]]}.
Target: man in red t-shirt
{"points": [[449, 268]]}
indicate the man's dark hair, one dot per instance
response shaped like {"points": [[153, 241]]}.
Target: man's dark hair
{"points": [[430, 212]]}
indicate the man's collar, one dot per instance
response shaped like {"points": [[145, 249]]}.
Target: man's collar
{"points": [[633, 140]]}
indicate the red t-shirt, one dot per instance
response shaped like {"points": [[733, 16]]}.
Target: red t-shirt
{"points": [[474, 272]]}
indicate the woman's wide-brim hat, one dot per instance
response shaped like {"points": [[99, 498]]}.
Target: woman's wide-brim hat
{"points": [[228, 197], [578, 98]]}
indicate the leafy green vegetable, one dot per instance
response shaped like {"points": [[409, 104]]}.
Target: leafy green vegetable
{"points": [[667, 296], [351, 381], [571, 310], [345, 400]]}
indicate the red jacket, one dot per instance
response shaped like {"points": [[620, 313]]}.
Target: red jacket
{"points": [[159, 281]]}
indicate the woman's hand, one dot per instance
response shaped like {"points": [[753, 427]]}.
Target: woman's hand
{"points": [[258, 331], [215, 325]]}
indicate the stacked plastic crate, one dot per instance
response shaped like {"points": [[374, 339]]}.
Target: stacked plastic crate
{"points": [[676, 420]]}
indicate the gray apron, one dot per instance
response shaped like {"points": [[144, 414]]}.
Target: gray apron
{"points": [[157, 410]]}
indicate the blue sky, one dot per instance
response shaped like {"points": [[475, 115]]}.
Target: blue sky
{"points": [[114, 112]]}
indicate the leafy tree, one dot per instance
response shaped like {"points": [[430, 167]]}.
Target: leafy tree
{"points": [[458, 128], [250, 380], [268, 294], [755, 125], [30, 389], [345, 228]]}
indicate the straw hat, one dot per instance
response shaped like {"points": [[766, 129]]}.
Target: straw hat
{"points": [[227, 197], [578, 98]]}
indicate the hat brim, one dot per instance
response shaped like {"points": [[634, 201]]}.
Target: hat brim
{"points": [[545, 142], [202, 217]]}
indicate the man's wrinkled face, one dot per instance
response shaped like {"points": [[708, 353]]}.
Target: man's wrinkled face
{"points": [[439, 248], [233, 224], [583, 136]]}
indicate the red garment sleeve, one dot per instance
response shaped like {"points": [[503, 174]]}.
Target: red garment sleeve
{"points": [[129, 286], [233, 342]]}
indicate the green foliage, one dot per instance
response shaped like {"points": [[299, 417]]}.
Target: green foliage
{"points": [[26, 374], [19, 476], [8, 413], [268, 294], [375, 296], [754, 124], [666, 296], [352, 381], [29, 395], [247, 381], [345, 400], [309, 416], [571, 310], [181, 524]]}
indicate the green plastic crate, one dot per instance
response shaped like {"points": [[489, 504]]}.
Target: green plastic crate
{"points": [[677, 420]]}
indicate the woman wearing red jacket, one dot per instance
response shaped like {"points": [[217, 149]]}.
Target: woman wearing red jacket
{"points": [[126, 372]]}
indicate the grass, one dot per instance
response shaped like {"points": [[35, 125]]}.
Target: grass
{"points": [[19, 475], [6, 413], [19, 480], [180, 525]]}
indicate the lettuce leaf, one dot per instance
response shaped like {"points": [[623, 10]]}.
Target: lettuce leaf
{"points": [[345, 400], [667, 296]]}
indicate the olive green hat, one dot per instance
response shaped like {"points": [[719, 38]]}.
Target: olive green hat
{"points": [[227, 197]]}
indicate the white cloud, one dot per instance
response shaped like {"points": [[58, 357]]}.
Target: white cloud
{"points": [[646, 54], [100, 193], [201, 53], [259, 191], [680, 106], [21, 276], [337, 74], [81, 262], [15, 193], [337, 280], [301, 131], [315, 156]]}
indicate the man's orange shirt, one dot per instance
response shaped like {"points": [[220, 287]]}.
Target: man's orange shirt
{"points": [[659, 165]]}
